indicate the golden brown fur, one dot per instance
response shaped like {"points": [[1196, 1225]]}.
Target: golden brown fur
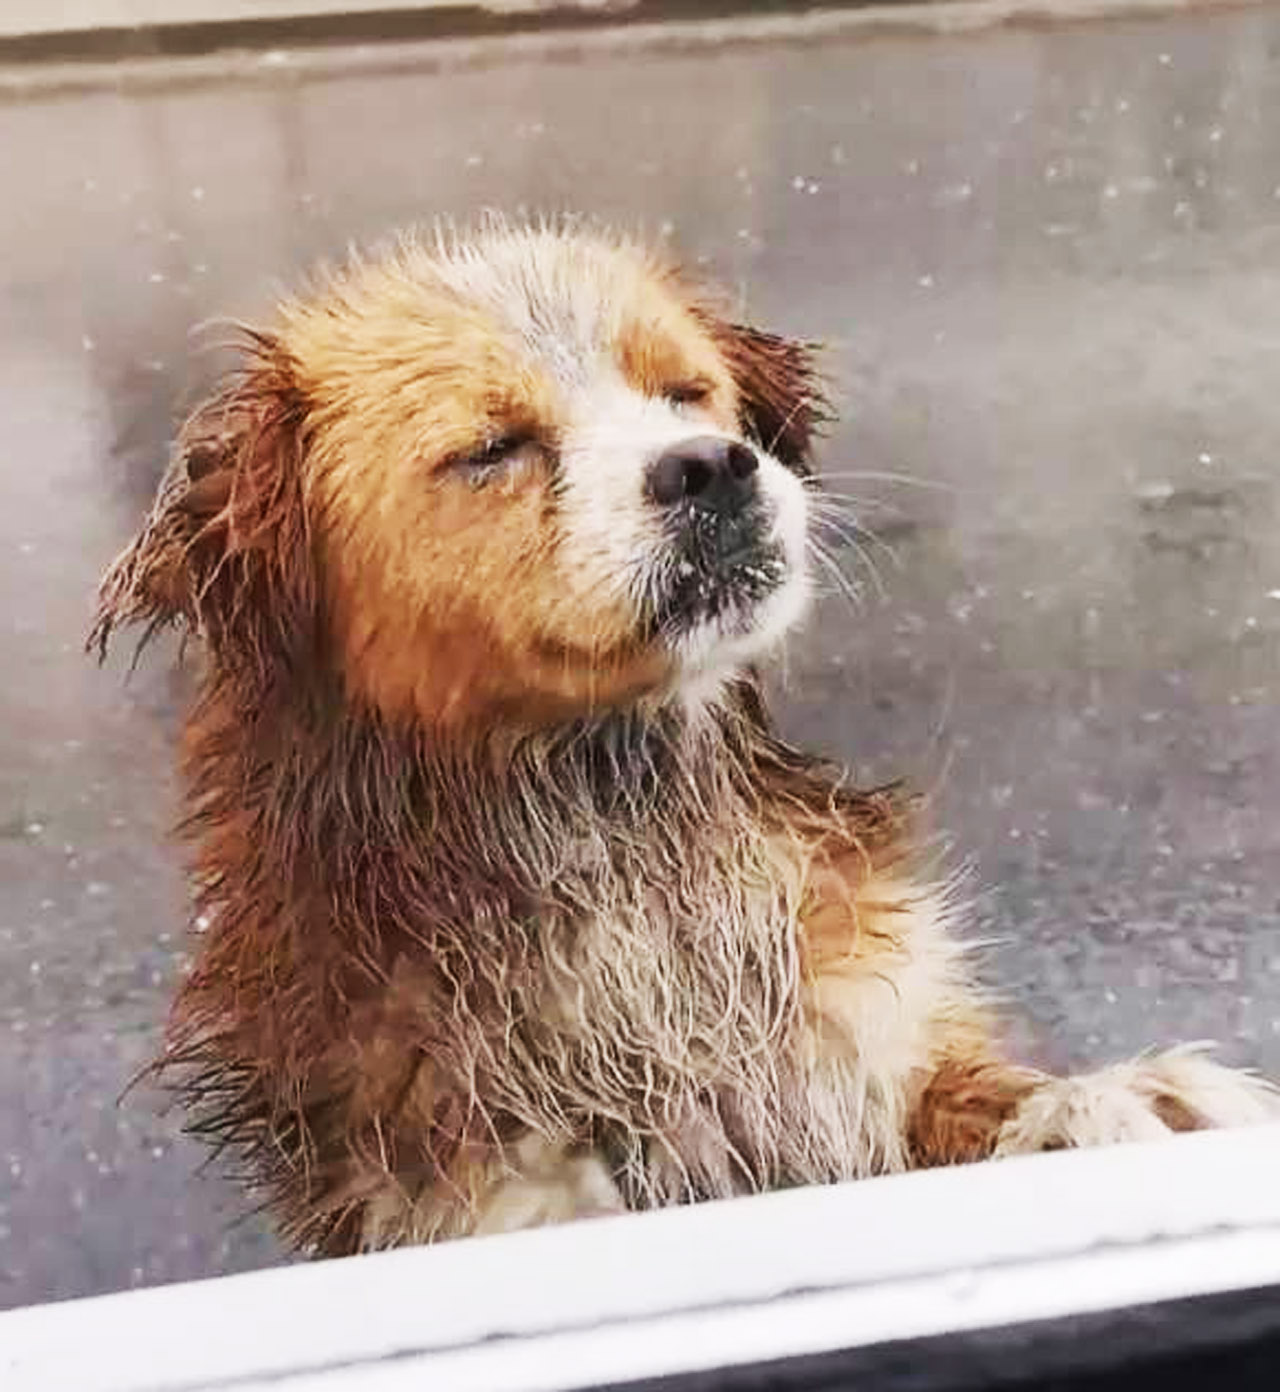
{"points": [[510, 918]]}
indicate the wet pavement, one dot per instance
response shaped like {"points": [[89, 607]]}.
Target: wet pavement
{"points": [[1048, 264]]}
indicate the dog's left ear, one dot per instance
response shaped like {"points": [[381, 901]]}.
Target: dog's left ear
{"points": [[780, 392], [226, 551]]}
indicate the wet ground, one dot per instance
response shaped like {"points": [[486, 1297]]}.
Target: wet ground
{"points": [[1048, 264]]}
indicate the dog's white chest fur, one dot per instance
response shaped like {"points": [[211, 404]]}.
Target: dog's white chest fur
{"points": [[681, 999]]}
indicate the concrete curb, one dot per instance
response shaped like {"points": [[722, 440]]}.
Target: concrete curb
{"points": [[435, 35], [199, 28], [150, 29]]}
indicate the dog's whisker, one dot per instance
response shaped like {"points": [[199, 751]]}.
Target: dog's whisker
{"points": [[860, 541], [831, 501], [880, 476], [801, 404], [845, 585]]}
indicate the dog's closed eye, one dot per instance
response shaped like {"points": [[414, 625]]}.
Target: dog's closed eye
{"points": [[691, 394], [498, 455]]}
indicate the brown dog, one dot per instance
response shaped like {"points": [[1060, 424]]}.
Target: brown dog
{"points": [[517, 909]]}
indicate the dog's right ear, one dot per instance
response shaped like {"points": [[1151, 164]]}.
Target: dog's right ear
{"points": [[226, 551], [781, 396]]}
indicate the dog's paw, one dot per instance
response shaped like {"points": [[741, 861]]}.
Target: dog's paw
{"points": [[1146, 1099], [551, 1185]]}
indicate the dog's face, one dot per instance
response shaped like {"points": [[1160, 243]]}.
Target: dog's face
{"points": [[535, 479]]}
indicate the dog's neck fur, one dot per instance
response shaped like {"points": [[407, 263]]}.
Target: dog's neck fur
{"points": [[599, 923]]}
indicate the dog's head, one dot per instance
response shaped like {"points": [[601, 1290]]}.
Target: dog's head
{"points": [[518, 477]]}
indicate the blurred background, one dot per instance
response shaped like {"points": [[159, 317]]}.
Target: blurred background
{"points": [[1044, 252]]}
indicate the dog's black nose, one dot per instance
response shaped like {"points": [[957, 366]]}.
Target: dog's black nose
{"points": [[714, 473]]}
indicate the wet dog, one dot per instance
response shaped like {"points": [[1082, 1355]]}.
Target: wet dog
{"points": [[517, 908]]}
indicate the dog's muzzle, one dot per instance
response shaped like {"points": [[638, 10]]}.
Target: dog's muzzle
{"points": [[722, 560]]}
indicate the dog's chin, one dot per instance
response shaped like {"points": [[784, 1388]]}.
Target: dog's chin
{"points": [[742, 621]]}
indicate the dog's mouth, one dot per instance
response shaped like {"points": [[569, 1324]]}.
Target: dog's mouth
{"points": [[719, 572]]}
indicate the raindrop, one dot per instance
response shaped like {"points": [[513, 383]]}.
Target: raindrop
{"points": [[955, 193]]}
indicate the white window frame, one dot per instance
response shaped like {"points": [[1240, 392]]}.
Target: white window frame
{"points": [[755, 1281]]}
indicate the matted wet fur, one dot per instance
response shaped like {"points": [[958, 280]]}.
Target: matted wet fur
{"points": [[516, 907]]}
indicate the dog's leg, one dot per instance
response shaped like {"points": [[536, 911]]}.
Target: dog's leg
{"points": [[1145, 1099], [885, 969], [964, 1107], [974, 1107]]}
